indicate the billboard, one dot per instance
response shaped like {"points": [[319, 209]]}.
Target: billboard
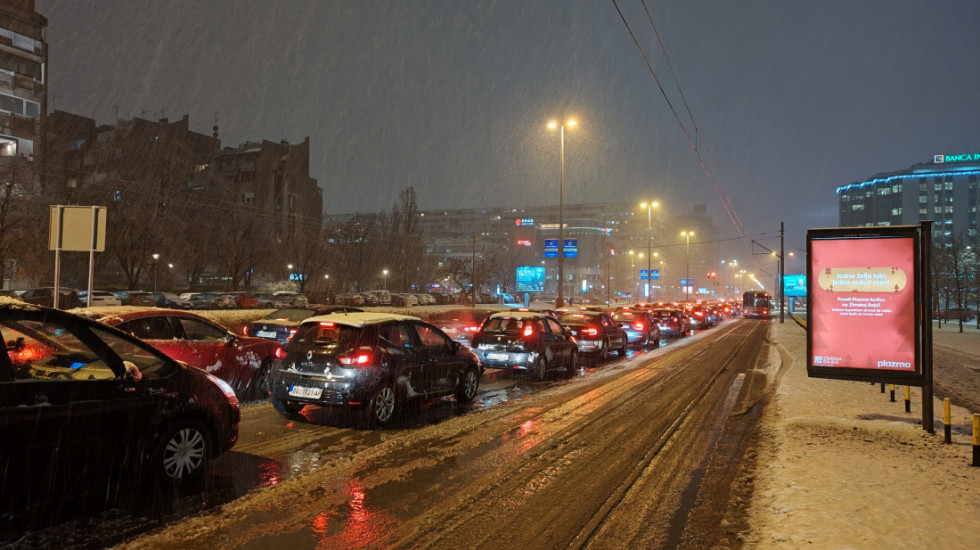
{"points": [[530, 279], [794, 285], [862, 293]]}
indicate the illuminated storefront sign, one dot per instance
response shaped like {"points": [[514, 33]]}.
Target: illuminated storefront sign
{"points": [[940, 159], [524, 221]]}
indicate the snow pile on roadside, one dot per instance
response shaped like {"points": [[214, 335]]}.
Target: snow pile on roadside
{"points": [[840, 466]]}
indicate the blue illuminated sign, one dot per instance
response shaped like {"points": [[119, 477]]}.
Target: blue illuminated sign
{"points": [[794, 285], [940, 159], [530, 279]]}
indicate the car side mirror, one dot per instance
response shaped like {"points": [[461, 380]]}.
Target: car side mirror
{"points": [[229, 338], [454, 346]]}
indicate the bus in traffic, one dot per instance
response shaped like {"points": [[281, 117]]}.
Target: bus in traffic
{"points": [[756, 304]]}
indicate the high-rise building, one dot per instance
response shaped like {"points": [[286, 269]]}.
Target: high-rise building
{"points": [[23, 79], [944, 191]]}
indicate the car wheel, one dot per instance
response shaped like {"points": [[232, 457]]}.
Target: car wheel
{"points": [[468, 384], [260, 383], [381, 407], [572, 365], [622, 349], [183, 452], [603, 349], [287, 408], [540, 371], [656, 343]]}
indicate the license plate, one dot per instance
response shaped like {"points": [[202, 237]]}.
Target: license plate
{"points": [[307, 393], [497, 356], [265, 334]]}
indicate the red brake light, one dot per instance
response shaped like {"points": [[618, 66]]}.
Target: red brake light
{"points": [[638, 325], [528, 330], [362, 358], [475, 328], [327, 324], [281, 353], [292, 332], [590, 331], [245, 330]]}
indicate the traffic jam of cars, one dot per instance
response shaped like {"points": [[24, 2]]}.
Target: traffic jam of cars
{"points": [[156, 392]]}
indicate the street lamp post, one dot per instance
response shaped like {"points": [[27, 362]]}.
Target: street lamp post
{"points": [[688, 235], [156, 260], [649, 206], [385, 273], [559, 300]]}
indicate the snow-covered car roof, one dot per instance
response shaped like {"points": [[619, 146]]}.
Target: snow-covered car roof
{"points": [[360, 318]]}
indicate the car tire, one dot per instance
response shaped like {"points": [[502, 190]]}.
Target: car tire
{"points": [[656, 343], [468, 385], [603, 350], [540, 372], [288, 409], [572, 365], [259, 387], [622, 349], [381, 407], [183, 452]]}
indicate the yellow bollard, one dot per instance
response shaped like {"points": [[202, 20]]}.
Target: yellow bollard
{"points": [[908, 400], [892, 386], [947, 422], [976, 439]]}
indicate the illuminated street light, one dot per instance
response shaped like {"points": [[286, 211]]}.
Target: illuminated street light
{"points": [[156, 260], [649, 206], [385, 273], [559, 301], [688, 234]]}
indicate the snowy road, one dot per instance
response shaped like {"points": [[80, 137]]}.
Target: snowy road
{"points": [[638, 452]]}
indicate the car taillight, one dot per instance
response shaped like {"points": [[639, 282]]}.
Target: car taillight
{"points": [[590, 331], [529, 331], [473, 329], [360, 359], [326, 324], [245, 330], [292, 332], [638, 325], [281, 353], [699, 313]]}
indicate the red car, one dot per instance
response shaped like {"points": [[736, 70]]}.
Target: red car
{"points": [[242, 361]]}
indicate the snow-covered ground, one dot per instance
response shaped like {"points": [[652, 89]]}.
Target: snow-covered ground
{"points": [[840, 466]]}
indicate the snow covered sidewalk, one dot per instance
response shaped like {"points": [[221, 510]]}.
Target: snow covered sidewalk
{"points": [[840, 466]]}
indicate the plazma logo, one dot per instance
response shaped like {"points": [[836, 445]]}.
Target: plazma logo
{"points": [[939, 159]]}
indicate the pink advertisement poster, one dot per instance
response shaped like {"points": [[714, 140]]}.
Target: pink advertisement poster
{"points": [[862, 309]]}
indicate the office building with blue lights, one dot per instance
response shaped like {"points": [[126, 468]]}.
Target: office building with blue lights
{"points": [[944, 191]]}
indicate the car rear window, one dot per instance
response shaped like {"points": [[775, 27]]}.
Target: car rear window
{"points": [[333, 337], [504, 324]]}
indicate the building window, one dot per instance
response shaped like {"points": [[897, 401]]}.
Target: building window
{"points": [[884, 191], [896, 211], [949, 185], [248, 198], [857, 207]]}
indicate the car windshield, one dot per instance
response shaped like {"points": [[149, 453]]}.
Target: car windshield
{"points": [[577, 319], [624, 316]]}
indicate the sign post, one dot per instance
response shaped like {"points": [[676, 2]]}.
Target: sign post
{"points": [[76, 229]]}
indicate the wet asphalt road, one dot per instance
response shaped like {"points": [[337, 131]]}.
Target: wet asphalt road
{"points": [[632, 452]]}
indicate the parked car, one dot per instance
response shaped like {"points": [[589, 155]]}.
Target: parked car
{"points": [[88, 412], [268, 300], [242, 361], [11, 295], [295, 298], [672, 321], [281, 324], [44, 296], [404, 300], [212, 300], [244, 300], [136, 298], [641, 329], [383, 296], [372, 362], [460, 324], [99, 298], [526, 341], [369, 299], [349, 299], [954, 314], [595, 332], [170, 300]]}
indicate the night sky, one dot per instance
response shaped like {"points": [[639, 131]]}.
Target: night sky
{"points": [[791, 98]]}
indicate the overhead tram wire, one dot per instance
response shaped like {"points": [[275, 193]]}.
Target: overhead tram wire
{"points": [[709, 172]]}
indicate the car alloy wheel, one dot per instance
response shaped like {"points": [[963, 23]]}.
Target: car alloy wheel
{"points": [[468, 385], [381, 407], [540, 369], [572, 365]]}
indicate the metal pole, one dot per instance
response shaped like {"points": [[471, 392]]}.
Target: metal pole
{"points": [[925, 288], [782, 272], [560, 301], [649, 251]]}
